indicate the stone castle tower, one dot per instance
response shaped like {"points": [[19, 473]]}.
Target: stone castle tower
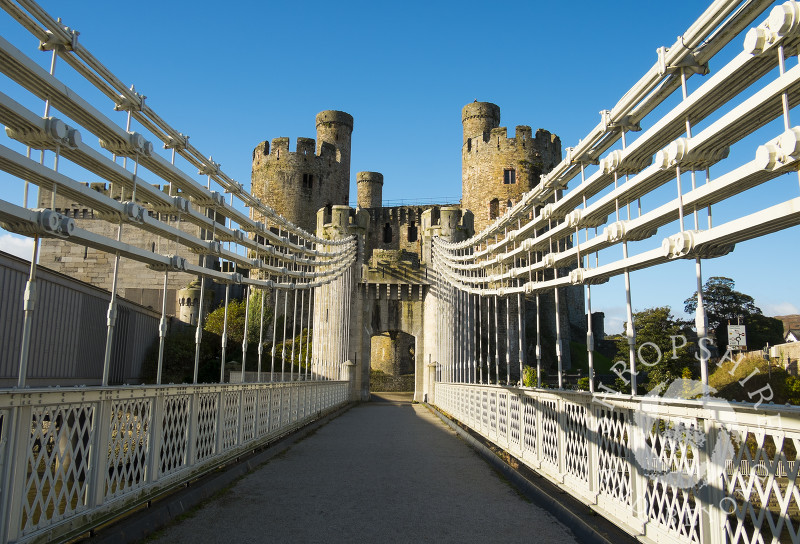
{"points": [[497, 170], [370, 189], [316, 175]]}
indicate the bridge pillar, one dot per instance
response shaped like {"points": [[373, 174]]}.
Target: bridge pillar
{"points": [[451, 224], [343, 339]]}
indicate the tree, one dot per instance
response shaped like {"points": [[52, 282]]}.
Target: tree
{"points": [[660, 350], [215, 321], [724, 304]]}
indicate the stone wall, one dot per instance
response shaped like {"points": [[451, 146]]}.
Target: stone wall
{"points": [[396, 228], [136, 282], [393, 353], [383, 382]]}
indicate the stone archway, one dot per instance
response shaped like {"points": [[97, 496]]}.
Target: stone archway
{"points": [[392, 361], [382, 314]]}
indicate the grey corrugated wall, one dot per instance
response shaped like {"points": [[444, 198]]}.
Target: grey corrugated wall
{"points": [[69, 330]]}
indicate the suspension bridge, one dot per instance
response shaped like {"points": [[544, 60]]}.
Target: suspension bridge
{"points": [[636, 193]]}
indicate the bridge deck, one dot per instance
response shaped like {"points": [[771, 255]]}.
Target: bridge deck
{"points": [[385, 471]]}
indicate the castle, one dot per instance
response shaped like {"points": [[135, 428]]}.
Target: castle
{"points": [[310, 187]]}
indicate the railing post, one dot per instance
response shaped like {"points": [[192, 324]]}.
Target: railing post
{"points": [[13, 492], [280, 406], [562, 437], [431, 393], [539, 429], [350, 376], [593, 450], [710, 496], [240, 418], [7, 431], [156, 437], [102, 441], [20, 442], [521, 404], [637, 440], [220, 419]]}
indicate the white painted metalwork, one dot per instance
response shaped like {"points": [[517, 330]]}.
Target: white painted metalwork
{"points": [[277, 253], [594, 446], [548, 218], [650, 464], [74, 455]]}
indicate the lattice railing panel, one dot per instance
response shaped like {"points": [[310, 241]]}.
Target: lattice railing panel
{"points": [[174, 433], [275, 415], [671, 450], [762, 496], [231, 403], [493, 413], [129, 447], [57, 462], [576, 443], [264, 410], [249, 414], [295, 404], [207, 416], [515, 420], [485, 410], [550, 432], [614, 472], [529, 421], [286, 404], [502, 415]]}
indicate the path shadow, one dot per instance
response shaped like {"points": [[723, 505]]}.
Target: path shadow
{"points": [[392, 398]]}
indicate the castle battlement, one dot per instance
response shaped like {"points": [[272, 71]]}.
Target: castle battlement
{"points": [[279, 149], [314, 175], [396, 214], [497, 140]]}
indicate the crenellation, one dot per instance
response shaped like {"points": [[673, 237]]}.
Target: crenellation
{"points": [[280, 147], [498, 135], [306, 146], [522, 133]]}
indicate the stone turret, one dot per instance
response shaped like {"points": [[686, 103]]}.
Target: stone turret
{"points": [[370, 189], [498, 170], [315, 175], [336, 127]]}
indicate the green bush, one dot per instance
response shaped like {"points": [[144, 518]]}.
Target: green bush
{"points": [[178, 360]]}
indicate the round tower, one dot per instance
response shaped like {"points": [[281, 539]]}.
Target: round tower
{"points": [[479, 118], [336, 128], [496, 170], [189, 302], [370, 189]]}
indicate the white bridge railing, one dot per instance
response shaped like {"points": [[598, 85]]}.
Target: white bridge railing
{"points": [[667, 470], [636, 193], [72, 457]]}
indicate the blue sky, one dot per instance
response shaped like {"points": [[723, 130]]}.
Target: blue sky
{"points": [[231, 78]]}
